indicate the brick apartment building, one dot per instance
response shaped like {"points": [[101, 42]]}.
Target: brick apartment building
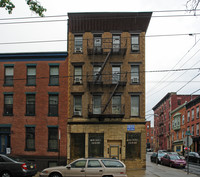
{"points": [[162, 118], [107, 90], [149, 136], [186, 118], [33, 111]]}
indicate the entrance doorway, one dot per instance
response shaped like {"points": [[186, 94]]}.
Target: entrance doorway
{"points": [[114, 149]]}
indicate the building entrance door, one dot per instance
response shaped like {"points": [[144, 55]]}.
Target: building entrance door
{"points": [[114, 149], [3, 144]]}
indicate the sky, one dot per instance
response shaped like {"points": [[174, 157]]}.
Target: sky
{"points": [[172, 39]]}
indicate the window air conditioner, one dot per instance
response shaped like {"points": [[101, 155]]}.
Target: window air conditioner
{"points": [[135, 47], [77, 80], [78, 50], [77, 113], [135, 80]]}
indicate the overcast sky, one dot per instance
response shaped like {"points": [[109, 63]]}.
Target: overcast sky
{"points": [[168, 43]]}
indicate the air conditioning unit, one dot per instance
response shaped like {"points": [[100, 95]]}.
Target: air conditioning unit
{"points": [[135, 47], [77, 80], [135, 80], [77, 113], [78, 50]]}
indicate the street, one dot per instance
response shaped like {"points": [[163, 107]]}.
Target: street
{"points": [[154, 170]]}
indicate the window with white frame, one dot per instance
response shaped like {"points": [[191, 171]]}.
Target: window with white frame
{"points": [[31, 75], [135, 76], [77, 74], [116, 74], [96, 104], [197, 129], [135, 105], [77, 105], [116, 43], [9, 74], [197, 112], [54, 74]]}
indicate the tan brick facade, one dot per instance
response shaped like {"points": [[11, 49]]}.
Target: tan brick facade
{"points": [[118, 137]]}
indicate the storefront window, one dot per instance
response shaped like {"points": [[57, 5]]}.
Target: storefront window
{"points": [[96, 145], [77, 145], [133, 145]]}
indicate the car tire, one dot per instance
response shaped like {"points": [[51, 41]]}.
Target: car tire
{"points": [[55, 175], [5, 174]]}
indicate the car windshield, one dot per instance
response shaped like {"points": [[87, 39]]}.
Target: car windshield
{"points": [[175, 157], [161, 154]]}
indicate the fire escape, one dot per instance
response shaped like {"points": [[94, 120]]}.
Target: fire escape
{"points": [[101, 51]]}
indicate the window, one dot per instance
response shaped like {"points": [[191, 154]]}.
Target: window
{"points": [[77, 105], [77, 145], [183, 133], [135, 77], [8, 78], [96, 104], [52, 138], [97, 44], [192, 130], [177, 136], [78, 44], [96, 145], [94, 164], [116, 43], [192, 114], [79, 164], [30, 104], [133, 145], [135, 47], [30, 138], [188, 116], [96, 70], [31, 75], [8, 104], [197, 112], [135, 104], [197, 129], [147, 133], [115, 74], [53, 104], [183, 119], [116, 104], [54, 75], [77, 74]]}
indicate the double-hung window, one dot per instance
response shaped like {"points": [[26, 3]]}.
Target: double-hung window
{"points": [[53, 104], [96, 72], [188, 116], [78, 44], [135, 77], [116, 43], [116, 74], [9, 73], [197, 112], [77, 105], [116, 104], [197, 130], [192, 114], [135, 105], [8, 104], [54, 74], [30, 138], [30, 104], [97, 44], [31, 75], [135, 46], [52, 138], [96, 104], [77, 74]]}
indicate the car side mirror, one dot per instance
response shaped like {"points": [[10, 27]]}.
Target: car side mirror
{"points": [[68, 166]]}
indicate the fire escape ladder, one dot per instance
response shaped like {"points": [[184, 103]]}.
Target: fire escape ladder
{"points": [[103, 66], [111, 97]]}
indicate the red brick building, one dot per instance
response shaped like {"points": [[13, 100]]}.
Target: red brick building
{"points": [[162, 123], [33, 111], [149, 135]]}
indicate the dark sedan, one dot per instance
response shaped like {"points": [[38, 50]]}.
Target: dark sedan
{"points": [[173, 161], [13, 166], [156, 157], [194, 157]]}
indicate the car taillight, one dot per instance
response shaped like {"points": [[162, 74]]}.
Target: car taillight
{"points": [[24, 166], [122, 173]]}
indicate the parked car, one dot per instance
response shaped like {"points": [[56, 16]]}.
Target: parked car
{"points": [[193, 157], [156, 156], [173, 161], [88, 167], [16, 167], [178, 154]]}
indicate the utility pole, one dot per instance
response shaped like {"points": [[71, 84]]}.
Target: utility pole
{"points": [[188, 145]]}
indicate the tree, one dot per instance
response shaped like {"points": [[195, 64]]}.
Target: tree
{"points": [[192, 5], [34, 6]]}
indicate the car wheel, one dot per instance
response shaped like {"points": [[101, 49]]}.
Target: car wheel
{"points": [[5, 174], [55, 175]]}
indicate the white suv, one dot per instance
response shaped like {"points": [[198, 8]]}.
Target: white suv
{"points": [[88, 167]]}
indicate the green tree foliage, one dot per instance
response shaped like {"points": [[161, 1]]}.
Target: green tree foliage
{"points": [[34, 6]]}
